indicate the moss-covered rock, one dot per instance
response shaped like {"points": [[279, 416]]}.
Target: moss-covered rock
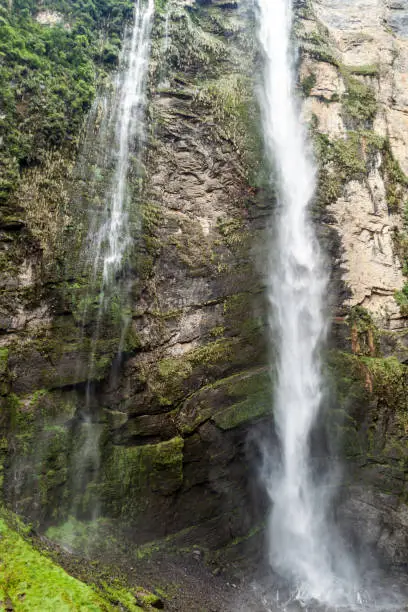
{"points": [[359, 102], [131, 475], [235, 401], [31, 581], [177, 328], [373, 399]]}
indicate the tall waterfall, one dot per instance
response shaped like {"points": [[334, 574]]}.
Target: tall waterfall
{"points": [[302, 546], [118, 119], [126, 114]]}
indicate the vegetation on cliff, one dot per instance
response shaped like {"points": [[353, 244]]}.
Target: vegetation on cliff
{"points": [[30, 581], [48, 75]]}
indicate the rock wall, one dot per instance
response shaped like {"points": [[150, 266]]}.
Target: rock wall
{"points": [[171, 415], [352, 75], [167, 451], [353, 71]]}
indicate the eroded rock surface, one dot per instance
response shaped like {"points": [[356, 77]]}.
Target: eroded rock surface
{"points": [[166, 447], [356, 54]]}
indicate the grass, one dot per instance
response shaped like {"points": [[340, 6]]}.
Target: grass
{"points": [[31, 582]]}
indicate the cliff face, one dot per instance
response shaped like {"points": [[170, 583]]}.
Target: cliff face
{"points": [[170, 416], [361, 91], [353, 74], [167, 449]]}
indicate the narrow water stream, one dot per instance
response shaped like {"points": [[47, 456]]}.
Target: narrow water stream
{"points": [[120, 139]]}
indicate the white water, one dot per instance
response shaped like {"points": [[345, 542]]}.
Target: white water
{"points": [[166, 43], [119, 142], [304, 546], [118, 118], [127, 109], [165, 47]]}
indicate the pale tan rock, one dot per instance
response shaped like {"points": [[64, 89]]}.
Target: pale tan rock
{"points": [[397, 122], [51, 18], [328, 116], [365, 34], [372, 270]]}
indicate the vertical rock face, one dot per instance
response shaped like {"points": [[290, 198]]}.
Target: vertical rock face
{"points": [[171, 417], [174, 415], [355, 65], [353, 75]]}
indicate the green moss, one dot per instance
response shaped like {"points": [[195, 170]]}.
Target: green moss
{"points": [[232, 104], [193, 48], [229, 402], [400, 240], [161, 6], [256, 388], [133, 474], [129, 599], [234, 234], [347, 376], [61, 352], [388, 380], [364, 333], [31, 581], [345, 154], [217, 331], [4, 353], [401, 297], [4, 375], [167, 381], [40, 441], [365, 387], [193, 250], [396, 181], [42, 195], [149, 599], [82, 537], [368, 70], [247, 411], [171, 373], [340, 160], [317, 45], [219, 351], [48, 76], [307, 84], [359, 100], [359, 377]]}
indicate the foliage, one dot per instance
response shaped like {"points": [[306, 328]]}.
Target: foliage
{"points": [[359, 101], [48, 75], [231, 102], [401, 298], [308, 83], [30, 581], [396, 180], [317, 45], [370, 70], [340, 160]]}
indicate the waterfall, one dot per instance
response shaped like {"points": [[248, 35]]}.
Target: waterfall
{"points": [[303, 545], [119, 119], [165, 47], [113, 237]]}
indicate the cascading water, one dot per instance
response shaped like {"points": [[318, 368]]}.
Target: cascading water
{"points": [[127, 113], [303, 545], [165, 47], [119, 145]]}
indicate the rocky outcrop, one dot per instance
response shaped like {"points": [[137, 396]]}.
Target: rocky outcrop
{"points": [[352, 75], [354, 63], [165, 448], [170, 415]]}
